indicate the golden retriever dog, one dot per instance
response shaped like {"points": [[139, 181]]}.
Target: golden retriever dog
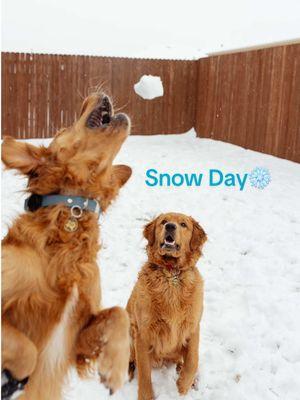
{"points": [[51, 298], [166, 304]]}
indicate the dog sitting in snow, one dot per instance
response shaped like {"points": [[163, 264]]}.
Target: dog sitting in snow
{"points": [[166, 304], [51, 299]]}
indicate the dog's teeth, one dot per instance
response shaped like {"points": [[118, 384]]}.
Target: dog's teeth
{"points": [[170, 243]]}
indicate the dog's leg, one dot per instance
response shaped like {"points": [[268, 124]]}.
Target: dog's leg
{"points": [[48, 378], [179, 366], [145, 391], [19, 354], [132, 358], [44, 386], [190, 364], [105, 340]]}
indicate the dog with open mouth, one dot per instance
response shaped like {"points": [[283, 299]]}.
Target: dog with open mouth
{"points": [[52, 317], [166, 304]]}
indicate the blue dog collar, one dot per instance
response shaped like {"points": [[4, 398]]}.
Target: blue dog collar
{"points": [[77, 203]]}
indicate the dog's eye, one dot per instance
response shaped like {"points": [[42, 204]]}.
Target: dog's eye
{"points": [[183, 224], [164, 221]]}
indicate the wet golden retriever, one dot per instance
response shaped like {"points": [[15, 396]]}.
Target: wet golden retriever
{"points": [[166, 304], [51, 298]]}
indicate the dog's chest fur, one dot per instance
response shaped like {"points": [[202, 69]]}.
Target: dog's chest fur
{"points": [[59, 262], [61, 338], [173, 309]]}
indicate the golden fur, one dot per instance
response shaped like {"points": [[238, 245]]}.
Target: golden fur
{"points": [[51, 298], [166, 304]]}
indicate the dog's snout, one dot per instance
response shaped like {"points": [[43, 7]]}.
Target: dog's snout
{"points": [[170, 227]]}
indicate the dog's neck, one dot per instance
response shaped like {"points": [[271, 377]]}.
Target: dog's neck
{"points": [[171, 267], [171, 273], [169, 264]]}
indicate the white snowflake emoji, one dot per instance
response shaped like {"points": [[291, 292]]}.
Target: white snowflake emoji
{"points": [[260, 177]]}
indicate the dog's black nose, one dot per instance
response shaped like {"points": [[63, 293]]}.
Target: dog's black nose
{"points": [[170, 227]]}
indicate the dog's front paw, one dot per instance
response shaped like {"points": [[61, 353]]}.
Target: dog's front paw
{"points": [[196, 383], [184, 383], [145, 394], [114, 356]]}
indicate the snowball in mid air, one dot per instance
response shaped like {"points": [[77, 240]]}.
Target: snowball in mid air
{"points": [[149, 87]]}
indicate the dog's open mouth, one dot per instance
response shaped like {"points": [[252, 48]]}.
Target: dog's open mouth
{"points": [[101, 115], [169, 243]]}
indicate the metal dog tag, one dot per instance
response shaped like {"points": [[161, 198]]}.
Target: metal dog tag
{"points": [[71, 225], [175, 280]]}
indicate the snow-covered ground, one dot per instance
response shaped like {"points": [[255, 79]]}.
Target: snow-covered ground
{"points": [[251, 265]]}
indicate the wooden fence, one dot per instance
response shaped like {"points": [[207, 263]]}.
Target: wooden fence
{"points": [[249, 98], [41, 93], [252, 99]]}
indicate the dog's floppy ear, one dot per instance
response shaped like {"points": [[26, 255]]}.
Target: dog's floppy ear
{"points": [[198, 236], [121, 174], [149, 232], [21, 156]]}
